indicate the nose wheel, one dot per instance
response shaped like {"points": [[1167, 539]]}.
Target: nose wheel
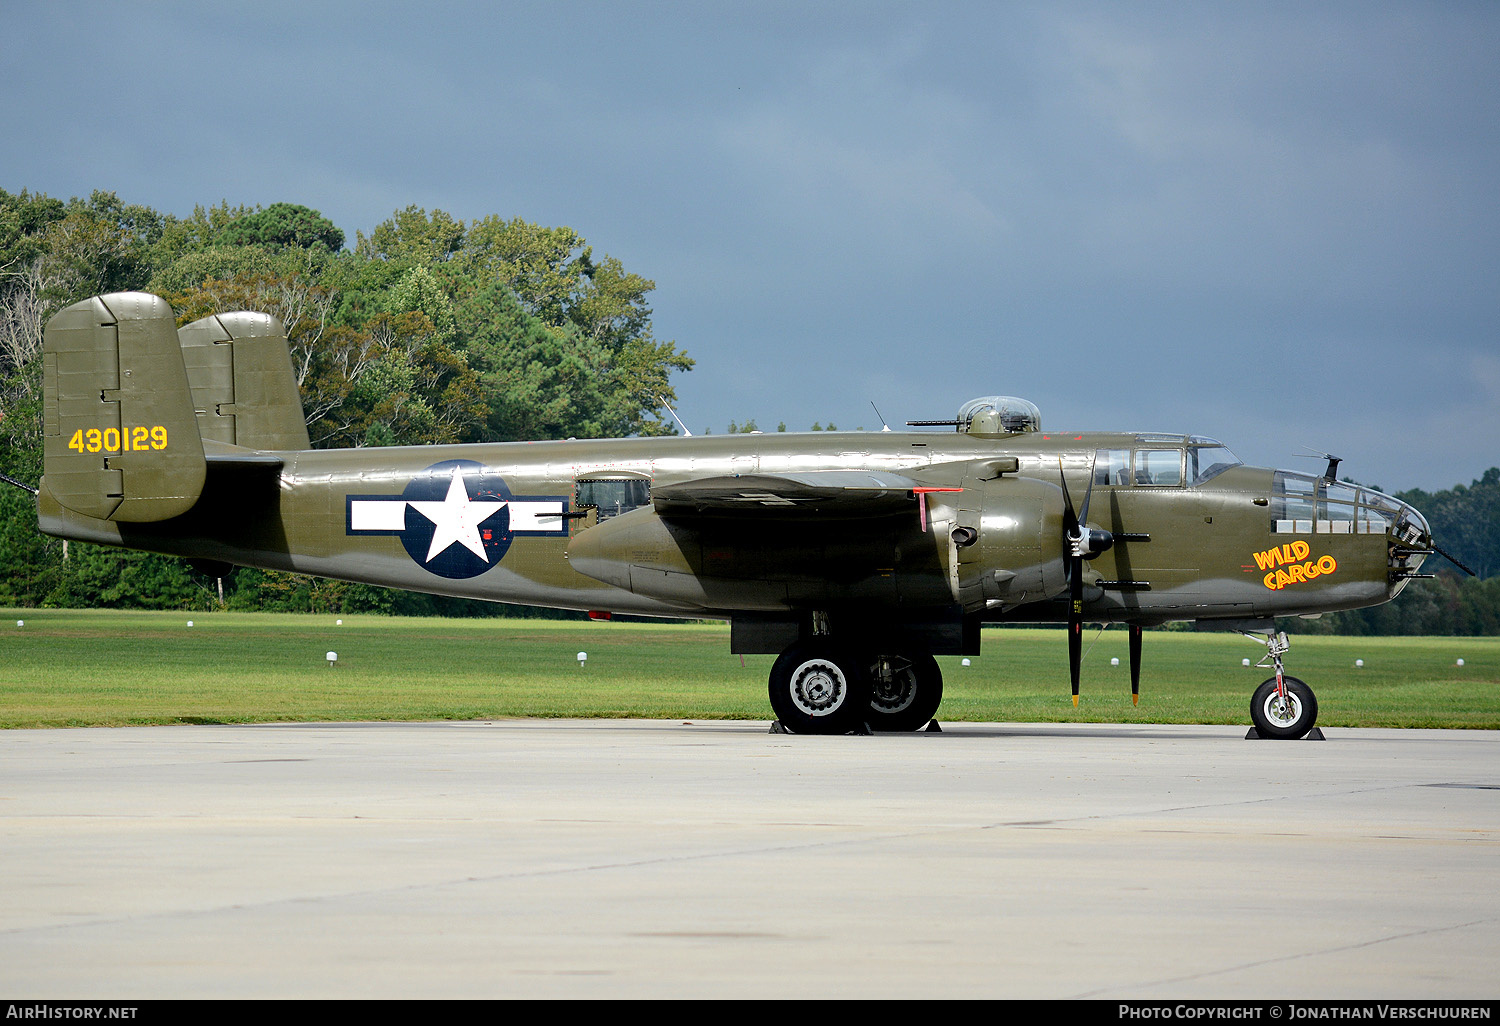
{"points": [[1283, 707]]}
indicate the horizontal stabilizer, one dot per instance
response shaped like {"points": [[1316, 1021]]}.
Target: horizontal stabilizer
{"points": [[220, 455]]}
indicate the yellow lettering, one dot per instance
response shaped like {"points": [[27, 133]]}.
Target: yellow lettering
{"points": [[158, 437], [76, 442], [1295, 573], [138, 438], [94, 440], [1300, 549]]}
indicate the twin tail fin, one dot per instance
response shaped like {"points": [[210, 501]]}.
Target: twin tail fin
{"points": [[130, 401]]}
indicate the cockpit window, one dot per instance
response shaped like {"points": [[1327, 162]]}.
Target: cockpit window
{"points": [[1159, 467], [1208, 460]]}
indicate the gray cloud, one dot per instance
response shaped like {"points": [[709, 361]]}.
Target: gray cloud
{"points": [[1272, 222]]}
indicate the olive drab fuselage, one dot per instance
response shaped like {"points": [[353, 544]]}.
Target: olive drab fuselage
{"points": [[1212, 550]]}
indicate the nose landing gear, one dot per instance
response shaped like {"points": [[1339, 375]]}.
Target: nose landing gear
{"points": [[1282, 707]]}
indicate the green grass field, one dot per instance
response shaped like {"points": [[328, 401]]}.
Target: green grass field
{"points": [[92, 667]]}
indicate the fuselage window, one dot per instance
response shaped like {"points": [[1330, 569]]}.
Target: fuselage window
{"points": [[1112, 467], [1313, 505], [613, 496], [1158, 467]]}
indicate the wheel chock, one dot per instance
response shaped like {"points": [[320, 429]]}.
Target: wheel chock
{"points": [[1315, 734]]}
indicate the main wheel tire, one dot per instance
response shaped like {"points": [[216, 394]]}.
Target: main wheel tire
{"points": [[906, 689], [1288, 718], [819, 688]]}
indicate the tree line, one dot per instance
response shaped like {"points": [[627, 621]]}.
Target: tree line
{"points": [[428, 330]]}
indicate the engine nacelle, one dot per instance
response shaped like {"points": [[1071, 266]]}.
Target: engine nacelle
{"points": [[1007, 545]]}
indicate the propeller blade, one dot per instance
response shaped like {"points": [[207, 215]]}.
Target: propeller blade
{"points": [[1075, 653], [1135, 664], [1074, 535], [1088, 493], [1070, 518]]}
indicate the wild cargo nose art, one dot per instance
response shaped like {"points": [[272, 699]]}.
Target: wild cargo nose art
{"points": [[1290, 564], [455, 519]]}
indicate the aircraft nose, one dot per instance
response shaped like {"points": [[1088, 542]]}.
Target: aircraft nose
{"points": [[1409, 536], [1407, 525]]}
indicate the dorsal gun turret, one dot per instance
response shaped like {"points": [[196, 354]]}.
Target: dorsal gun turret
{"points": [[998, 415]]}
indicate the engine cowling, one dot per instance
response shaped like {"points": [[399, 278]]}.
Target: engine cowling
{"points": [[1006, 542]]}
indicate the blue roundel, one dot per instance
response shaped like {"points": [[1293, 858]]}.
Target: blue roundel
{"points": [[457, 519]]}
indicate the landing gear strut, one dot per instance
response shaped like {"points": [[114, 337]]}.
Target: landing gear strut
{"points": [[1282, 707]]}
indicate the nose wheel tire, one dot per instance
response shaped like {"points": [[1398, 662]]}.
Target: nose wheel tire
{"points": [[905, 691], [819, 688], [1286, 717]]}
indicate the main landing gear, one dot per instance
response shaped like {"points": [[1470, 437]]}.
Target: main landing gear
{"points": [[1282, 707], [819, 686]]}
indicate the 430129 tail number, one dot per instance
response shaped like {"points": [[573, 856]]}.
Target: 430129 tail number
{"points": [[131, 439]]}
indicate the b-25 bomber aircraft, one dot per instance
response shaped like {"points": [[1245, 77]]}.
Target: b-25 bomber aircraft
{"points": [[855, 557]]}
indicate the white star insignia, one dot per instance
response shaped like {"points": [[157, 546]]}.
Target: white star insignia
{"points": [[457, 518]]}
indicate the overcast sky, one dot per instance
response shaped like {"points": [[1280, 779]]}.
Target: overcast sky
{"points": [[1275, 224]]}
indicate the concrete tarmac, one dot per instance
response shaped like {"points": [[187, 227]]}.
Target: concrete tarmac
{"points": [[662, 859]]}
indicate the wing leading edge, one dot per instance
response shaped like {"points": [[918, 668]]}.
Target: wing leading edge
{"points": [[837, 494]]}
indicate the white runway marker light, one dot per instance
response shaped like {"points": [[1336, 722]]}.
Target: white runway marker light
{"points": [[332, 658], [582, 658]]}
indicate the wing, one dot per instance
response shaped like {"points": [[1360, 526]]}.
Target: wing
{"points": [[823, 494]]}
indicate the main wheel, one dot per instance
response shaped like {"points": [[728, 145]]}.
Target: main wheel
{"points": [[905, 691], [1290, 717], [819, 688]]}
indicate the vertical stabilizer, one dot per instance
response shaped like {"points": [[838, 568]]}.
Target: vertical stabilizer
{"points": [[121, 436], [240, 372]]}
